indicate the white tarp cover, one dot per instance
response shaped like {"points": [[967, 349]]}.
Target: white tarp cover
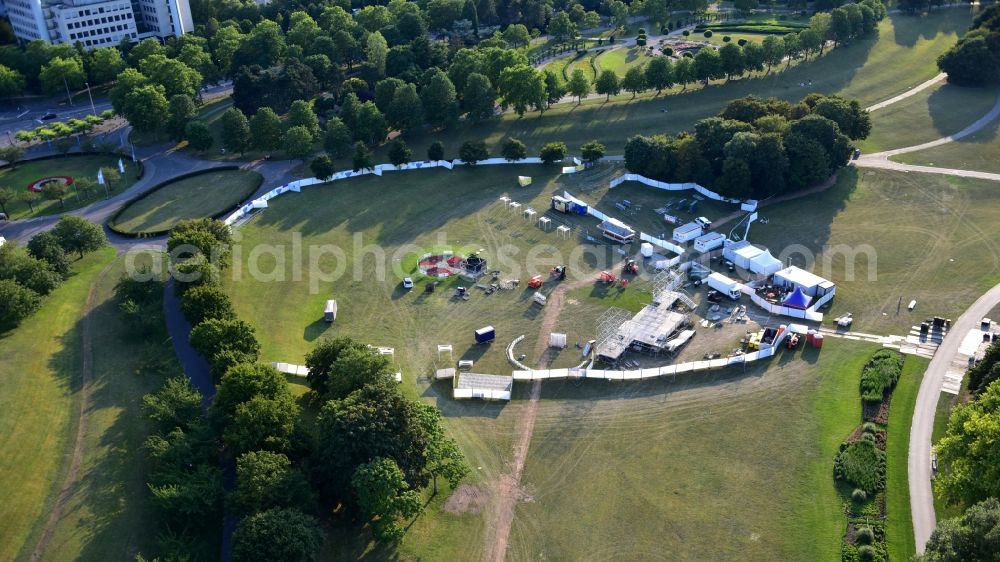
{"points": [[764, 263]]}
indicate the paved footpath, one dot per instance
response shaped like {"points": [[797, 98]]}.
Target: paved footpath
{"points": [[922, 426]]}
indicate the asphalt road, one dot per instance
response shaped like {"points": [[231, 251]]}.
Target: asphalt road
{"points": [[922, 426]]}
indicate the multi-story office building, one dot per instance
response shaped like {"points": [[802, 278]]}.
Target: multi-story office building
{"points": [[97, 23]]}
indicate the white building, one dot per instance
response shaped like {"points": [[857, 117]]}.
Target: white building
{"points": [[810, 284], [97, 23]]}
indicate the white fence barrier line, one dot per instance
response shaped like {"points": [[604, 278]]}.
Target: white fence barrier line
{"points": [[671, 186], [661, 243]]}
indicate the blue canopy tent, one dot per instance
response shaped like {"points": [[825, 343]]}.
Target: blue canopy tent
{"points": [[797, 299]]}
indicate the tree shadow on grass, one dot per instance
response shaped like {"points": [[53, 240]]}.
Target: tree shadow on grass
{"points": [[909, 29], [942, 104]]}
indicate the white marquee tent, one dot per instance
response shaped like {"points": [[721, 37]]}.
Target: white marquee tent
{"points": [[764, 263]]}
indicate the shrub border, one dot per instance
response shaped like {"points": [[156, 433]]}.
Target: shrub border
{"points": [[153, 233]]}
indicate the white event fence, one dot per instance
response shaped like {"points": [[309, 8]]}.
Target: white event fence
{"points": [[672, 187]]}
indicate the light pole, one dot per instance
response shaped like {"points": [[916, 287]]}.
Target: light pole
{"points": [[93, 108], [68, 95]]}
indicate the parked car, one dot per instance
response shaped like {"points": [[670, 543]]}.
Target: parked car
{"points": [[49, 116], [407, 283], [857, 153]]}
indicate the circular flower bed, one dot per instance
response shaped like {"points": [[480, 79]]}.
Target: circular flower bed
{"points": [[38, 185]]}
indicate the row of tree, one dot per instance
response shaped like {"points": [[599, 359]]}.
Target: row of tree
{"points": [[756, 148], [28, 274], [969, 470], [371, 449], [975, 59]]}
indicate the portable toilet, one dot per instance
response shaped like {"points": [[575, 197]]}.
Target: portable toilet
{"points": [[486, 335], [330, 312], [646, 249], [817, 340]]}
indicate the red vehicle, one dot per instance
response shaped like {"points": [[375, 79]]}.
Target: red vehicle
{"points": [[608, 277], [535, 281]]}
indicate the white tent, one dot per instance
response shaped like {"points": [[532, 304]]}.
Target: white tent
{"points": [[765, 263], [741, 255]]}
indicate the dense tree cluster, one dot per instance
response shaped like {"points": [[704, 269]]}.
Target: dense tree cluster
{"points": [[975, 59], [27, 274], [975, 535], [756, 148]]}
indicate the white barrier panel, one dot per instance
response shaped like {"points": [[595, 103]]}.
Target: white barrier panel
{"points": [[783, 310], [633, 374], [718, 363], [558, 373], [521, 375], [569, 169], [668, 370], [661, 243], [614, 375], [671, 186], [650, 373], [596, 374]]}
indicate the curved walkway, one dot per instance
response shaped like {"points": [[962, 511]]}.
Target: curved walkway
{"points": [[881, 159], [922, 426], [912, 91]]}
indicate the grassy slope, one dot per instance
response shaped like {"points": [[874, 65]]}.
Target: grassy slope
{"points": [[936, 112], [204, 195], [75, 166], [716, 466], [899, 527], [38, 407], [930, 237], [977, 151]]}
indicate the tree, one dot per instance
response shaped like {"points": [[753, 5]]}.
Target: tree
{"points": [[399, 153], [385, 90], [111, 176], [27, 271], [840, 26], [561, 27], [45, 246], [478, 97], [370, 126], [522, 86], [172, 75], [181, 110], [376, 50], [7, 195], [235, 131], [634, 81], [176, 404], [55, 191], [76, 234], [435, 151], [242, 382], [298, 142], [11, 154], [707, 65], [607, 83], [145, 107], [16, 302], [973, 536], [440, 101], [301, 114], [516, 35], [224, 342], [278, 535], [819, 24], [731, 60], [659, 75], [971, 62], [198, 135], [406, 110], [11, 82], [968, 452], [808, 161], [262, 423], [553, 152], [514, 150], [852, 119], [592, 151], [204, 239], [555, 89], [472, 152], [444, 458], [60, 74], [265, 130], [578, 84], [266, 480], [204, 302], [30, 198], [322, 167], [774, 51], [337, 140], [385, 497], [362, 159]]}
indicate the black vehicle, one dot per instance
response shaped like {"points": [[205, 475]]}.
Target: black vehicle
{"points": [[857, 153], [49, 116]]}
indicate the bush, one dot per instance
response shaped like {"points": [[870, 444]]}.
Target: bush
{"points": [[869, 427], [866, 552], [861, 464], [741, 42], [553, 152], [726, 39], [880, 375], [668, 51], [868, 437], [859, 495], [686, 33], [865, 535], [707, 34]]}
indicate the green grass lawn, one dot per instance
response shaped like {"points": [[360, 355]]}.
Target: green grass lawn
{"points": [[203, 195], [724, 465], [930, 237], [899, 526], [717, 37], [621, 60], [874, 69], [76, 166], [938, 111], [977, 151], [109, 515], [38, 405]]}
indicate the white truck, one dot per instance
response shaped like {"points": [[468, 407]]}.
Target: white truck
{"points": [[724, 285]]}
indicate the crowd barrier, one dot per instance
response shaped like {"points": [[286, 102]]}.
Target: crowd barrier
{"points": [[808, 314], [672, 187]]}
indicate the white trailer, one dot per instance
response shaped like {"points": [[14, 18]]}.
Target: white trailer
{"points": [[687, 232], [724, 285], [709, 242]]}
